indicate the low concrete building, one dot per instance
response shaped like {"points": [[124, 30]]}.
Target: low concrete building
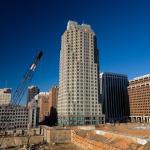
{"points": [[53, 135], [13, 117]]}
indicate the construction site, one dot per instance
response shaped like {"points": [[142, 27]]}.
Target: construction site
{"points": [[114, 136], [103, 137]]}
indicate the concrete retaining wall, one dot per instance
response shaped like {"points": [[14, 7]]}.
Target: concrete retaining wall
{"points": [[87, 144], [135, 139], [57, 135], [86, 127], [17, 141]]}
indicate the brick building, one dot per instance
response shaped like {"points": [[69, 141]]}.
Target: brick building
{"points": [[139, 99], [53, 99], [43, 108], [44, 105]]}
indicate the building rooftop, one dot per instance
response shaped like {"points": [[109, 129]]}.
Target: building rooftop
{"points": [[75, 24], [5, 90], [141, 77], [43, 93], [112, 73]]}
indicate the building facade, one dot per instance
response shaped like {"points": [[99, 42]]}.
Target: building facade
{"points": [[44, 105], [114, 96], [53, 96], [5, 96], [78, 98], [53, 99], [33, 112], [13, 117], [32, 91], [139, 99]]}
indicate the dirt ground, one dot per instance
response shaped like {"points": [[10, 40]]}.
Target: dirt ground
{"points": [[142, 130], [119, 141], [68, 146]]}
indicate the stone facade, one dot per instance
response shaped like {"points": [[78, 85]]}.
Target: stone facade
{"points": [[78, 99], [5, 96], [33, 113], [32, 91], [56, 135]]}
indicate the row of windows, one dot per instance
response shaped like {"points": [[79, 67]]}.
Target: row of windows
{"points": [[78, 32], [78, 50]]}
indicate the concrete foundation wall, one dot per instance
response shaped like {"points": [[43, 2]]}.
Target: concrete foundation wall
{"points": [[69, 136], [86, 127], [57, 135], [18, 141]]}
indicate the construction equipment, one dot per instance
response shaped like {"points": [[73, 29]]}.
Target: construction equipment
{"points": [[18, 94], [22, 87]]}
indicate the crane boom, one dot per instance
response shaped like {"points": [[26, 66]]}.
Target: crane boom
{"points": [[19, 92]]}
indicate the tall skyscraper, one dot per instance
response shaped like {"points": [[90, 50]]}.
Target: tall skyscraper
{"points": [[139, 99], [114, 96], [5, 96], [32, 91], [78, 100]]}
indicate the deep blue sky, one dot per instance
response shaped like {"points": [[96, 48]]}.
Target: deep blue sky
{"points": [[122, 28]]}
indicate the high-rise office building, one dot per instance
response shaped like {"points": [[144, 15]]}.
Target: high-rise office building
{"points": [[32, 91], [114, 96], [78, 100], [139, 99], [5, 96]]}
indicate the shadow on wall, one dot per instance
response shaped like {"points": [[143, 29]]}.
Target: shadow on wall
{"points": [[52, 119]]}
